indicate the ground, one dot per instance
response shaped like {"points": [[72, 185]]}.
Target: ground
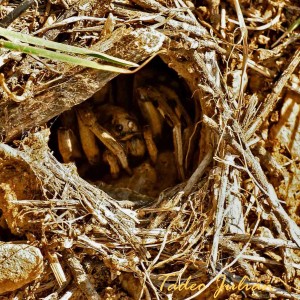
{"points": [[150, 185]]}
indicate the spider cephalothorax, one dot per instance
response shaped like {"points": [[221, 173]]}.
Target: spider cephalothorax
{"points": [[124, 127]]}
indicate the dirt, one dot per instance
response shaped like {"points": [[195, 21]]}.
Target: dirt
{"points": [[194, 173]]}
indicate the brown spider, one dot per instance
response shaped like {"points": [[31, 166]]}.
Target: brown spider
{"points": [[121, 133]]}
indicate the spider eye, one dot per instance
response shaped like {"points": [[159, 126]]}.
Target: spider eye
{"points": [[130, 125], [119, 128]]}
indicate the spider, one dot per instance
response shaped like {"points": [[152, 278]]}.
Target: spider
{"points": [[122, 135]]}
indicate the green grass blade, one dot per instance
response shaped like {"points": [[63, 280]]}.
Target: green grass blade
{"points": [[289, 30], [294, 26], [60, 56], [26, 38]]}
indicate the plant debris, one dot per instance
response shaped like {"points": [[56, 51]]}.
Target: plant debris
{"points": [[198, 198]]}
